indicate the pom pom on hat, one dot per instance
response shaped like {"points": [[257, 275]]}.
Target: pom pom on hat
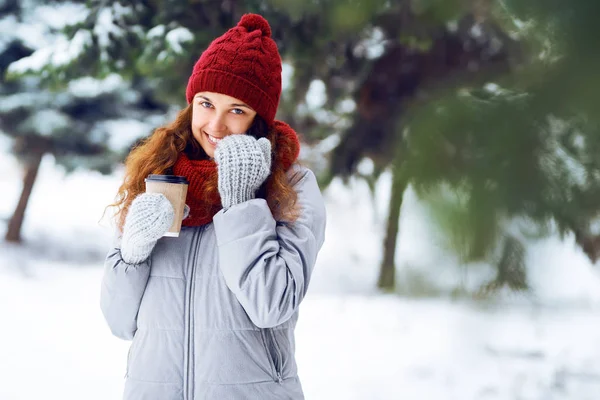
{"points": [[253, 22]]}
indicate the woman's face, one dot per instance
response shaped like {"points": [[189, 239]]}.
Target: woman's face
{"points": [[215, 116]]}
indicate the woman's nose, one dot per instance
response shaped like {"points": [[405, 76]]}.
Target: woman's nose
{"points": [[216, 123]]}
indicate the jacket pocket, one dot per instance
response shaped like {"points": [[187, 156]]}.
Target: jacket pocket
{"points": [[273, 353]]}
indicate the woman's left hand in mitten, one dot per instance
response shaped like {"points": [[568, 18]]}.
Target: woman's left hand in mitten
{"points": [[243, 163]]}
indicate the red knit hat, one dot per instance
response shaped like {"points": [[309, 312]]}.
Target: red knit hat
{"points": [[243, 63]]}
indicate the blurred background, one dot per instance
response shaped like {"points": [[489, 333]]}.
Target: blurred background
{"points": [[457, 144]]}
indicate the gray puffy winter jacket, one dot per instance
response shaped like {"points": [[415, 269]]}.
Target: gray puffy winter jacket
{"points": [[212, 313]]}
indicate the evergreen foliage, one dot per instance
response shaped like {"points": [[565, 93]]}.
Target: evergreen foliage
{"points": [[486, 107], [527, 145]]}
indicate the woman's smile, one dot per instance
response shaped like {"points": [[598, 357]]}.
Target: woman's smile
{"points": [[212, 139]]}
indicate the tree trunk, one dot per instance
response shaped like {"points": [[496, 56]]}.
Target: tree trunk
{"points": [[511, 270], [387, 271], [589, 242], [32, 166]]}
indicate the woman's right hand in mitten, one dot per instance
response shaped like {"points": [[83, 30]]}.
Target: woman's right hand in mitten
{"points": [[150, 215]]}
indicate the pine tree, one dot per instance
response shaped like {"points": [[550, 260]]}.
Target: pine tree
{"points": [[73, 123], [523, 148], [371, 59], [404, 83]]}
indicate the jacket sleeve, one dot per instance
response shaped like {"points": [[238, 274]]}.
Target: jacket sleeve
{"points": [[268, 264], [121, 293]]}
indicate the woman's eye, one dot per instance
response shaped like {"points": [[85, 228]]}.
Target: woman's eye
{"points": [[206, 104], [237, 111]]}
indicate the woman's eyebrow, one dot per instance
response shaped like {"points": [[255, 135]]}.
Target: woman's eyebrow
{"points": [[205, 98], [231, 105], [241, 105]]}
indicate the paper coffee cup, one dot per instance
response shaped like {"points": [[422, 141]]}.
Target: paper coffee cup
{"points": [[175, 189]]}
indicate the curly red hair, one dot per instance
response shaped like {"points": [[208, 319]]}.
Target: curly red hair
{"points": [[158, 153]]}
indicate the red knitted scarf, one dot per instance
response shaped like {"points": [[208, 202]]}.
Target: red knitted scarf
{"points": [[198, 172]]}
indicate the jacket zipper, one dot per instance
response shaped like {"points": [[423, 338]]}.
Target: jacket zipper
{"points": [[279, 359], [274, 359], [188, 382]]}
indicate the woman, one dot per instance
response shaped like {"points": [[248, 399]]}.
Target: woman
{"points": [[212, 312]]}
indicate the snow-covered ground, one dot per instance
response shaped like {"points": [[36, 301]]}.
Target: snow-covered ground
{"points": [[352, 342]]}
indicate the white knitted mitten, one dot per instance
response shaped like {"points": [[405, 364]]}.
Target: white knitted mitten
{"points": [[244, 163], [150, 215]]}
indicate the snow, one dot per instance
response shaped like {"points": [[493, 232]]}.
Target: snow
{"points": [[476, 31], [177, 36], [91, 87], [287, 73], [558, 158], [493, 88], [18, 100], [346, 106], [316, 95], [156, 32], [373, 45], [47, 122], [105, 28], [366, 167], [39, 29], [8, 25], [39, 22], [57, 16], [353, 342], [124, 132], [41, 32], [61, 52], [561, 274]]}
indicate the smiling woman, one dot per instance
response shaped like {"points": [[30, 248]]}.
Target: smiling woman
{"points": [[215, 116], [212, 313]]}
